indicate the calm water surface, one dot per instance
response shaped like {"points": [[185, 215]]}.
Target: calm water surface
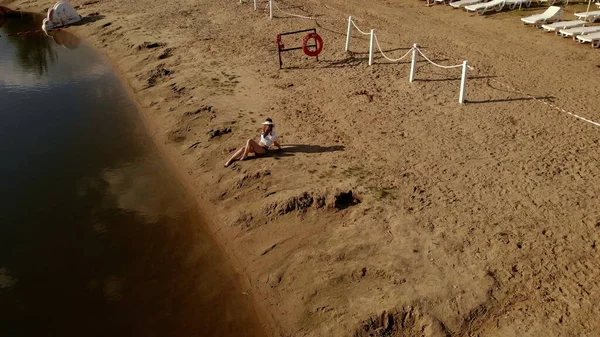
{"points": [[97, 237]]}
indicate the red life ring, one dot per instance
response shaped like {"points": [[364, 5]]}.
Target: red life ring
{"points": [[318, 41]]}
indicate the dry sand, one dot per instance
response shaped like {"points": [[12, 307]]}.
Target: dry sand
{"points": [[474, 220]]}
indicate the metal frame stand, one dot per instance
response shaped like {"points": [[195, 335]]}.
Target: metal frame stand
{"points": [[280, 49]]}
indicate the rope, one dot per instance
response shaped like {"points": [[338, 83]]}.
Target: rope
{"points": [[387, 58], [301, 16], [296, 15], [549, 104], [355, 26], [435, 64], [24, 33]]}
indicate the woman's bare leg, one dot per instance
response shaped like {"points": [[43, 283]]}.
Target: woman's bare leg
{"points": [[247, 150], [252, 147], [236, 156], [241, 154]]}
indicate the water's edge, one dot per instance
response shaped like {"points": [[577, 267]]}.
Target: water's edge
{"points": [[202, 206]]}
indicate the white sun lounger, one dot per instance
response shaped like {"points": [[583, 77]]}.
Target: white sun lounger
{"points": [[486, 6], [553, 2], [573, 32], [594, 39], [512, 4], [558, 25], [588, 16], [463, 3], [553, 13]]}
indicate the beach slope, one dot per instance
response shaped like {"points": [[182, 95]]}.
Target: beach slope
{"points": [[392, 210]]}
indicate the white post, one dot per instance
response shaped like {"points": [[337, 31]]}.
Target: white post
{"points": [[587, 11], [463, 84], [371, 46], [413, 64], [255, 4], [348, 33], [270, 9]]}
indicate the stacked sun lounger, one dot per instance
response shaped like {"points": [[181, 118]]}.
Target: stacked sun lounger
{"points": [[574, 32], [588, 16], [553, 2], [593, 38], [513, 4], [463, 3], [484, 7], [549, 21], [558, 25], [553, 13]]}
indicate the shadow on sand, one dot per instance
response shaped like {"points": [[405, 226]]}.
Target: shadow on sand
{"points": [[455, 78], [539, 98], [523, 96], [88, 19], [290, 150], [305, 148]]}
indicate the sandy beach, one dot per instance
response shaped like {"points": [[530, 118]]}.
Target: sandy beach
{"points": [[392, 209]]}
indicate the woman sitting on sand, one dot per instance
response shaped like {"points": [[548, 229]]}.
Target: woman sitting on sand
{"points": [[267, 138]]}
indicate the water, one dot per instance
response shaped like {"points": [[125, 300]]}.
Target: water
{"points": [[97, 237]]}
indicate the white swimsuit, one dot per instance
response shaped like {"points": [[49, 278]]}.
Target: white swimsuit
{"points": [[269, 139]]}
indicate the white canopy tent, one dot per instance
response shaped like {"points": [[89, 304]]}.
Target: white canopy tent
{"points": [[59, 15]]}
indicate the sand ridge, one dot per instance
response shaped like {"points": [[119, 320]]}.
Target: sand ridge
{"points": [[477, 219]]}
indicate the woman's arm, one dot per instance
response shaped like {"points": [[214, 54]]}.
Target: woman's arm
{"points": [[276, 143]]}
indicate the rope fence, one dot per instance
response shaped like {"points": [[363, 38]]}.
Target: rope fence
{"points": [[435, 64], [414, 50], [355, 26], [554, 106], [272, 7], [255, 4], [388, 58], [273, 3]]}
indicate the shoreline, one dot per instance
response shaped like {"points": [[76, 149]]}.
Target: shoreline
{"points": [[461, 220], [202, 207], [197, 289], [169, 159], [201, 204]]}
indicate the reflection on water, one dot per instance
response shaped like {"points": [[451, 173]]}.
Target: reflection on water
{"points": [[132, 187], [23, 65], [65, 39], [97, 238], [33, 51]]}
